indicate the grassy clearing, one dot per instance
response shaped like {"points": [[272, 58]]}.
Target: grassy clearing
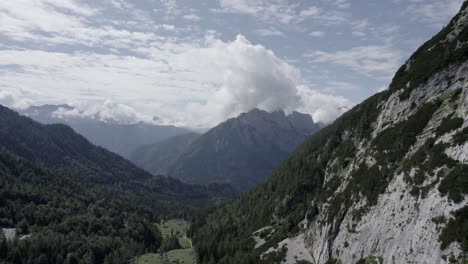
{"points": [[179, 256], [186, 255], [150, 258], [179, 228]]}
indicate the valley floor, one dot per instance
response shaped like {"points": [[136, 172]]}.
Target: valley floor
{"points": [[185, 255]]}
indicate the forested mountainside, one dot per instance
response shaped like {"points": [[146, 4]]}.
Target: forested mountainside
{"points": [[58, 146], [156, 158], [122, 139], [387, 182], [73, 202], [242, 151]]}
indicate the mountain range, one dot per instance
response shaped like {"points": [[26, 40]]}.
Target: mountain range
{"points": [[387, 182], [241, 151], [122, 139]]}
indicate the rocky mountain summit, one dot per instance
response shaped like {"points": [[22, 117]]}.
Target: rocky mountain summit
{"points": [[241, 151]]}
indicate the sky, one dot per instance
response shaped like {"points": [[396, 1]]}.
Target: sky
{"points": [[197, 63]]}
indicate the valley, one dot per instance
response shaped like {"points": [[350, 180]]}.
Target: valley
{"points": [[271, 171]]}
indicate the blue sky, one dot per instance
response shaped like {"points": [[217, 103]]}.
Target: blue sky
{"points": [[196, 63]]}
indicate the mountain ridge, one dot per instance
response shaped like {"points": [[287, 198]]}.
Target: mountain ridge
{"points": [[60, 148], [240, 151], [120, 138], [156, 158]]}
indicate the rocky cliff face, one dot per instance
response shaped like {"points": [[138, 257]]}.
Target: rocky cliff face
{"points": [[386, 183], [405, 222], [403, 226]]}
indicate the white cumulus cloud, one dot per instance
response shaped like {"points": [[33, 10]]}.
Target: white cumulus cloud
{"points": [[323, 107], [108, 111], [252, 76], [14, 100], [187, 85]]}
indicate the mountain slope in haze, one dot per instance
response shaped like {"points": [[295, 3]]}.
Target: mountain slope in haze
{"points": [[385, 183], [122, 139], [242, 151], [59, 148], [73, 202], [156, 158]]}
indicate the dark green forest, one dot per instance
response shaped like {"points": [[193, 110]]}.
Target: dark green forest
{"points": [[70, 221], [80, 203]]}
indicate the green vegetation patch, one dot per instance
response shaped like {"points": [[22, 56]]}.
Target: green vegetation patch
{"points": [[183, 256], [176, 228], [151, 258], [461, 137], [455, 184], [369, 182], [452, 95], [176, 247], [394, 142], [365, 182], [333, 261], [427, 158], [456, 230], [170, 243], [448, 124], [370, 260], [432, 57], [178, 256]]}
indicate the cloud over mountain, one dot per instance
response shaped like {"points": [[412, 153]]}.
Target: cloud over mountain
{"points": [[195, 64], [252, 77], [14, 100], [216, 79]]}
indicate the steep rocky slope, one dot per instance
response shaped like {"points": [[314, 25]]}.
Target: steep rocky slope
{"points": [[385, 183], [242, 151]]}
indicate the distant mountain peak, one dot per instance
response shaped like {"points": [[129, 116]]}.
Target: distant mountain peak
{"points": [[303, 122], [293, 121], [242, 150], [46, 108]]}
